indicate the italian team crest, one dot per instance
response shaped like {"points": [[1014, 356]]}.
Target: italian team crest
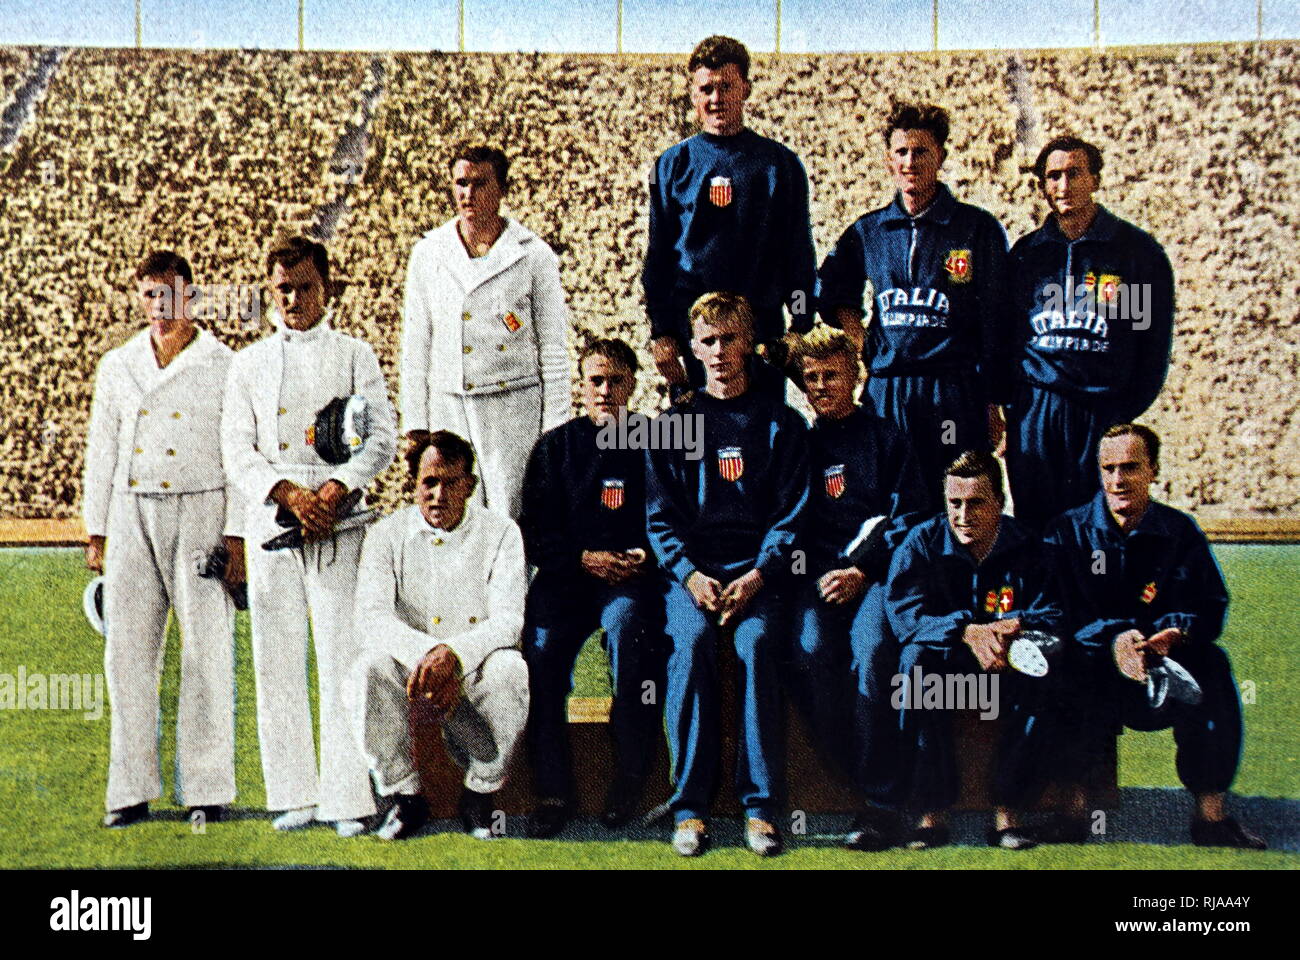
{"points": [[720, 191], [958, 266], [990, 601], [310, 434], [1149, 592], [731, 463], [611, 494], [834, 477], [1006, 599], [1109, 287], [511, 321]]}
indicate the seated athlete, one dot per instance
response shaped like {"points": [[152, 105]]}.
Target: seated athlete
{"points": [[1141, 584]]}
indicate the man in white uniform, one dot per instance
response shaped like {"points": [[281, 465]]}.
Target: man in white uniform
{"points": [[155, 504], [485, 332], [275, 390], [440, 609]]}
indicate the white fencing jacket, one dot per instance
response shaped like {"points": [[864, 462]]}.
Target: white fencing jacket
{"points": [[419, 586], [157, 431], [265, 431], [483, 325]]}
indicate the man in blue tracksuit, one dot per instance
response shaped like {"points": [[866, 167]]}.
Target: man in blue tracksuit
{"points": [[937, 269], [1091, 312], [961, 588], [865, 494], [1140, 583], [723, 519], [728, 211], [584, 529]]}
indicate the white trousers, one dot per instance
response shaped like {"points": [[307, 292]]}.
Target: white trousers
{"points": [[154, 545], [481, 733], [503, 429], [285, 587]]}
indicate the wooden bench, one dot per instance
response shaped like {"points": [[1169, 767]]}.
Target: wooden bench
{"points": [[811, 788]]}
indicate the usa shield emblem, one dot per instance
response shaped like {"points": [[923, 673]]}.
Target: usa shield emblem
{"points": [[731, 463], [958, 266], [834, 477], [1006, 599], [611, 494], [1149, 592], [720, 191], [990, 601]]}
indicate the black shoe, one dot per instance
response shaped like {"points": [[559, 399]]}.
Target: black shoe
{"points": [[125, 816], [212, 813], [1225, 833], [407, 816], [927, 838], [548, 818], [1011, 838], [477, 813], [621, 803], [873, 830], [1063, 829]]}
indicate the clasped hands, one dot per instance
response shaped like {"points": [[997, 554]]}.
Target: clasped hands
{"points": [[729, 602], [316, 510], [436, 679]]}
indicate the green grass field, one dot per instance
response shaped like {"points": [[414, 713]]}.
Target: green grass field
{"points": [[53, 763]]}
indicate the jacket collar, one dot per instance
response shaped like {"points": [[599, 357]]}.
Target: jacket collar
{"points": [[1102, 230], [417, 526], [289, 335], [1011, 536], [143, 362], [471, 272], [939, 211], [1155, 522]]}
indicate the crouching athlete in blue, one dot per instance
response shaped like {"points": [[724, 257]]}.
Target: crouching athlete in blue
{"points": [[584, 529], [866, 493], [961, 588], [723, 519], [1092, 314], [1140, 584], [937, 268]]}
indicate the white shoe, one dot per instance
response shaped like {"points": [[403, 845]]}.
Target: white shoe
{"points": [[691, 838], [349, 828], [295, 819]]}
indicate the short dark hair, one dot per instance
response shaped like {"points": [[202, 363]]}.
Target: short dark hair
{"points": [[1148, 436], [294, 250], [1068, 143], [979, 463], [716, 52], [162, 262], [452, 446], [478, 153], [918, 116], [612, 349]]}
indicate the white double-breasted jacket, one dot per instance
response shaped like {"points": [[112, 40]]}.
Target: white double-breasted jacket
{"points": [[483, 325], [156, 431], [419, 586]]}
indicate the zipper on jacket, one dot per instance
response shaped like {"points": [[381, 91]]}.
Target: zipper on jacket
{"points": [[911, 255], [1069, 280]]}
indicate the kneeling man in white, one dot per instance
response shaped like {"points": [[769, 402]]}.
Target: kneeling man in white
{"points": [[440, 608]]}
